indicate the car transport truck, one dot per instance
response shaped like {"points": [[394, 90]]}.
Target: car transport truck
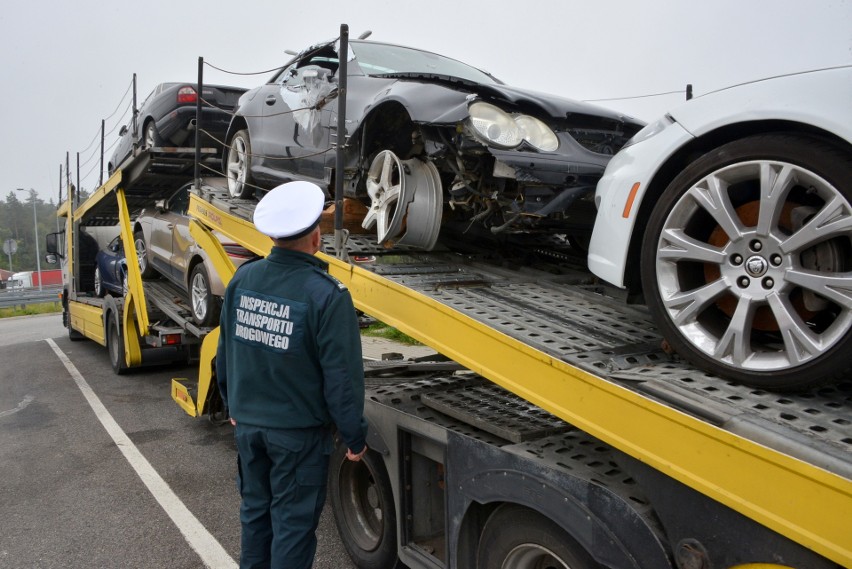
{"points": [[554, 430]]}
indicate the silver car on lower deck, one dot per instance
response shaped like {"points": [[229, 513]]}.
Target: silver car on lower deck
{"points": [[165, 247]]}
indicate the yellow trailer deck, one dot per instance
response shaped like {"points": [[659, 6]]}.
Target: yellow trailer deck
{"points": [[556, 340]]}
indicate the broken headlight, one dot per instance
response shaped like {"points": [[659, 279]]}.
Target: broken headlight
{"points": [[498, 128], [537, 133]]}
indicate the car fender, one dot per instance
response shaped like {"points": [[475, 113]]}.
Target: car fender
{"points": [[617, 210], [217, 288]]}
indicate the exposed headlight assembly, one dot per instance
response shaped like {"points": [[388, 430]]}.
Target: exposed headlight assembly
{"points": [[498, 128], [537, 133]]}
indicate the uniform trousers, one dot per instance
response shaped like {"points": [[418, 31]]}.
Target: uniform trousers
{"points": [[282, 481]]}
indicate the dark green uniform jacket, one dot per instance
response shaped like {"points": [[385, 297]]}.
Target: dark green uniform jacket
{"points": [[289, 352]]}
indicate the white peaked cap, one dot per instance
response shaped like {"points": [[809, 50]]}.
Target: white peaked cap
{"points": [[290, 210]]}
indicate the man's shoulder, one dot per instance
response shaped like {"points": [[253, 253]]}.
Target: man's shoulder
{"points": [[330, 282]]}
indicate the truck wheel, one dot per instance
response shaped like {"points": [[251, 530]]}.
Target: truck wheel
{"points": [[515, 537], [362, 502], [238, 166], [746, 262], [142, 256], [205, 306], [115, 346], [73, 334]]}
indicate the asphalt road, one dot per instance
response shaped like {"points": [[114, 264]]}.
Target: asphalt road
{"points": [[71, 493]]}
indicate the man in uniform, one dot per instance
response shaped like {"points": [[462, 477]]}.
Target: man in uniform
{"points": [[288, 366]]}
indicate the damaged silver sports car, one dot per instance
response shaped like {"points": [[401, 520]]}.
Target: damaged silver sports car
{"points": [[428, 139]]}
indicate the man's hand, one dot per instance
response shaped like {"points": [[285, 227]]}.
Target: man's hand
{"points": [[233, 421], [355, 457]]}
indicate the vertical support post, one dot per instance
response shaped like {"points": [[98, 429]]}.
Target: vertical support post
{"points": [[342, 69], [68, 178], [198, 122], [59, 202], [35, 236], [101, 178], [134, 115]]}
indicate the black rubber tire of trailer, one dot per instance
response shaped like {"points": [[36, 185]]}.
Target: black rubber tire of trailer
{"points": [[369, 539], [515, 536]]}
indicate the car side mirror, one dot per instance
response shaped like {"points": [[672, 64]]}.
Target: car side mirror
{"points": [[160, 205], [122, 131], [50, 259]]}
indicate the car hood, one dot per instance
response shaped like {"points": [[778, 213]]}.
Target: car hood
{"points": [[556, 106], [819, 98], [441, 99]]}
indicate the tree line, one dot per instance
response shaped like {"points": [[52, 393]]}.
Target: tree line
{"points": [[17, 224]]}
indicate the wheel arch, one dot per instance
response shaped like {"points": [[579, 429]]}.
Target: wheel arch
{"points": [[382, 124], [143, 125], [691, 151], [580, 509], [238, 123], [190, 266], [110, 311]]}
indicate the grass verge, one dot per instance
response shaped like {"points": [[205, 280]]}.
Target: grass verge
{"points": [[379, 330], [30, 309]]}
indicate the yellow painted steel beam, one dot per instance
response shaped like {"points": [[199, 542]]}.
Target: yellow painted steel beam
{"points": [[807, 504], [135, 299], [88, 320], [180, 393], [215, 252], [111, 184], [132, 347], [240, 230], [63, 209], [205, 370]]}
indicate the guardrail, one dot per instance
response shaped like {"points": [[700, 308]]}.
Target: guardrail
{"points": [[22, 298]]}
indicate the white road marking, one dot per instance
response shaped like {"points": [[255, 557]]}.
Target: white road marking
{"points": [[21, 406], [211, 552]]}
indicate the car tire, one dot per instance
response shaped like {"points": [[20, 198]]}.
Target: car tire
{"points": [[142, 256], [152, 136], [746, 258], [203, 304], [100, 289], [518, 537], [363, 506], [238, 166]]}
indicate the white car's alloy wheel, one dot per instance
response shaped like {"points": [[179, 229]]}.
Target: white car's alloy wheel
{"points": [[747, 260]]}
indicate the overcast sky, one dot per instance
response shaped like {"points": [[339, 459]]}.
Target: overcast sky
{"points": [[66, 65]]}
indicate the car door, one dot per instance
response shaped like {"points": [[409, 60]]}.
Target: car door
{"points": [[115, 262], [182, 241], [163, 224], [296, 113]]}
